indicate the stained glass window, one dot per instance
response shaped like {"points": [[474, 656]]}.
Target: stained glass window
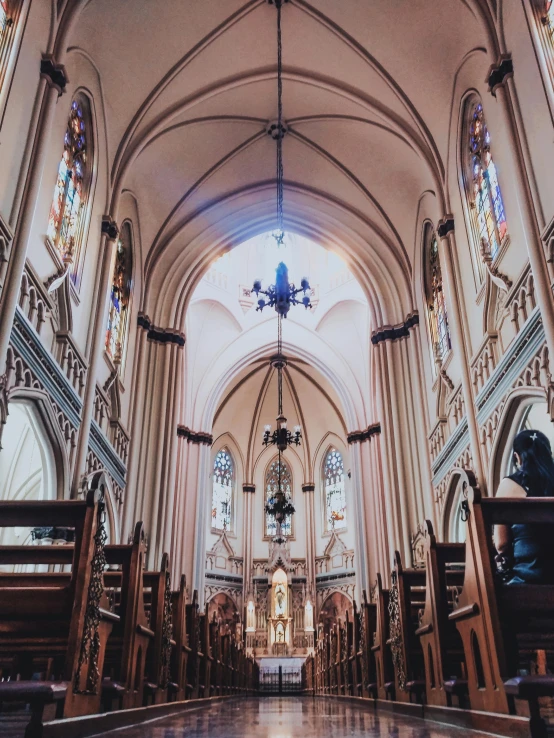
{"points": [[222, 490], [335, 493], [68, 203], [485, 196], [271, 488], [548, 17], [120, 295], [4, 20], [436, 305]]}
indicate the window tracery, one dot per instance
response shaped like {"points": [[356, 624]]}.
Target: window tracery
{"points": [[9, 21], [548, 18], [71, 190], [335, 492], [485, 198], [222, 490], [116, 331], [434, 293], [271, 488]]}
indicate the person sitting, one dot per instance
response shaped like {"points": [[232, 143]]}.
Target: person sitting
{"points": [[526, 552]]}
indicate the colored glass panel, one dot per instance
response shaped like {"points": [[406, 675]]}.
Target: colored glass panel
{"points": [[335, 492], [222, 490], [271, 488], [487, 198], [120, 296], [4, 20], [436, 304], [64, 222]]}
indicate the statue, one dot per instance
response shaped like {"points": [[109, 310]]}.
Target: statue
{"points": [[280, 600]]}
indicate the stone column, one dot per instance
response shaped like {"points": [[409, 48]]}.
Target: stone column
{"points": [[501, 85], [360, 495], [445, 231], [248, 498], [108, 240], [309, 505], [52, 84]]}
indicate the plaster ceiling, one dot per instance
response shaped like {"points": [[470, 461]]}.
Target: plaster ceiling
{"points": [[189, 88]]}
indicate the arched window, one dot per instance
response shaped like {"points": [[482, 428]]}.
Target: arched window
{"points": [[434, 296], [9, 10], [546, 9], [222, 490], [120, 296], [335, 493], [485, 198], [65, 224], [271, 488]]}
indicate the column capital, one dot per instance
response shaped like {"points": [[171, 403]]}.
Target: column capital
{"points": [[109, 227], [308, 487], [445, 226], [499, 73], [392, 333], [246, 487], [191, 436], [54, 74], [365, 435]]}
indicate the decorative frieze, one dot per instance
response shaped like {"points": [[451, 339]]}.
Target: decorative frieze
{"points": [[193, 436], [365, 435], [393, 333], [6, 238], [160, 335]]}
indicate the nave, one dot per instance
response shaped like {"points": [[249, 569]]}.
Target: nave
{"points": [[291, 717]]}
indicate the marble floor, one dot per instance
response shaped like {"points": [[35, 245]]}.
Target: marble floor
{"points": [[289, 717]]}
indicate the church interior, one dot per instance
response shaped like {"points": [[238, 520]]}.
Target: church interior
{"points": [[276, 309]]}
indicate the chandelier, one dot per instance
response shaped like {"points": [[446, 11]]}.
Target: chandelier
{"points": [[283, 293], [280, 505]]}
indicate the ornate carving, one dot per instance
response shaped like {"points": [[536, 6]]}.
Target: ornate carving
{"points": [[90, 645], [167, 635], [396, 643]]}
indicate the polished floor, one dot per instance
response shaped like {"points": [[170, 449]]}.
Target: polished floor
{"points": [[289, 717]]}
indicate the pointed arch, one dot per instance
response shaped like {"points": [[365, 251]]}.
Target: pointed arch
{"points": [[488, 225], [70, 202], [435, 303], [334, 489], [223, 490], [120, 296]]}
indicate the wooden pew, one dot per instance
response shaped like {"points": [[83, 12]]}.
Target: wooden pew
{"points": [[157, 598], [445, 670], [125, 663], [57, 625], [406, 599], [366, 667], [179, 687], [499, 625], [195, 654], [380, 649], [217, 679]]}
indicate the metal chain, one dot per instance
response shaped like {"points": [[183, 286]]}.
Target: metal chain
{"points": [[396, 633], [167, 634], [90, 645], [279, 365], [279, 127]]}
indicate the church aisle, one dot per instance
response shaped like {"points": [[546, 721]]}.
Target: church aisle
{"points": [[289, 717]]}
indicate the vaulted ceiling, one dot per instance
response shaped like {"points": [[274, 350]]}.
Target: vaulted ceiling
{"points": [[190, 87]]}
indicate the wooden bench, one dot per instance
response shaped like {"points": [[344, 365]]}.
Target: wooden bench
{"points": [[127, 649], [380, 647], [445, 671], [366, 667], [56, 625], [179, 687], [406, 600], [501, 625]]}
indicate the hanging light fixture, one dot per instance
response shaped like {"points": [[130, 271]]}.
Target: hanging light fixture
{"points": [[283, 293]]}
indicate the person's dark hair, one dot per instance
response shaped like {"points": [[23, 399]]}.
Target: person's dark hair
{"points": [[537, 465]]}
